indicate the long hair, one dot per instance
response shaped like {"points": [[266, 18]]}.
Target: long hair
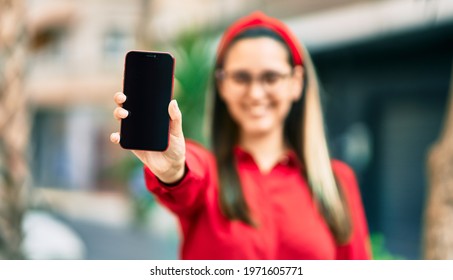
{"points": [[303, 130]]}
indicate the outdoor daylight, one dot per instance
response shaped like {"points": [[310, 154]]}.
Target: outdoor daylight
{"points": [[301, 130]]}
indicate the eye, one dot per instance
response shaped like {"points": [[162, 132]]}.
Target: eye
{"points": [[270, 78], [241, 77]]}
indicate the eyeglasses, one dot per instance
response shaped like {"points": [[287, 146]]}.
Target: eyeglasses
{"points": [[241, 80]]}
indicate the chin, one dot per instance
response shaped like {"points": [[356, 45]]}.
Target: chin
{"points": [[254, 128]]}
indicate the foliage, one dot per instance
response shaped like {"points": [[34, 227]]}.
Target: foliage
{"points": [[194, 62], [380, 252]]}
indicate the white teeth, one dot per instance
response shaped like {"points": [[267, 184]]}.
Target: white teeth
{"points": [[257, 110]]}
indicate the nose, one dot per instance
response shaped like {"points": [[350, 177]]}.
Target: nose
{"points": [[256, 90]]}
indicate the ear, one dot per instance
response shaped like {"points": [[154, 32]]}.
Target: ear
{"points": [[297, 82]]}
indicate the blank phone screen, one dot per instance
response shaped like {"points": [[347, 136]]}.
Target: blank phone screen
{"points": [[148, 85]]}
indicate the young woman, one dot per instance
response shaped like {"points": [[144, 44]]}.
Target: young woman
{"points": [[268, 189]]}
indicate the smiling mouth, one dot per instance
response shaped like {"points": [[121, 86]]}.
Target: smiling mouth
{"points": [[257, 111]]}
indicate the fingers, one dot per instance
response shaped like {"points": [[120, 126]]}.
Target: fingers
{"points": [[115, 137], [119, 98], [120, 113], [175, 119]]}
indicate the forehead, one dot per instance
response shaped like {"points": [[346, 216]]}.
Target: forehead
{"points": [[257, 54]]}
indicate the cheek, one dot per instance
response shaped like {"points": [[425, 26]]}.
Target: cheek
{"points": [[284, 109], [232, 105], [286, 102], [227, 99]]}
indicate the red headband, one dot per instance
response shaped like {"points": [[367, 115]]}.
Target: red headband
{"points": [[259, 19]]}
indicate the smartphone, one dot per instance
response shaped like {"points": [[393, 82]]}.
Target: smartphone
{"points": [[148, 86]]}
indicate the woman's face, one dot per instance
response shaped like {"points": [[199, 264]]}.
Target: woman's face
{"points": [[258, 85]]}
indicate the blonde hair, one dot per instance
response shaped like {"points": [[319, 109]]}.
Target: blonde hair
{"points": [[321, 178]]}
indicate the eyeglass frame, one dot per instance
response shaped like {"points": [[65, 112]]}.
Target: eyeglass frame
{"points": [[221, 75]]}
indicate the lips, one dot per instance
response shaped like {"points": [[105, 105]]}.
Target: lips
{"points": [[257, 111]]}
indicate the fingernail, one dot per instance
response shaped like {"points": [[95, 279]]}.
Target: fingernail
{"points": [[124, 113], [113, 138], [176, 105]]}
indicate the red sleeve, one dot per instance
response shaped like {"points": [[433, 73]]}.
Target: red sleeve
{"points": [[358, 247], [187, 196]]}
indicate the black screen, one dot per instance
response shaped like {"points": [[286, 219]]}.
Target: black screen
{"points": [[148, 83]]}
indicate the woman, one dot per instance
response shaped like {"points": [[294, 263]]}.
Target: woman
{"points": [[268, 190]]}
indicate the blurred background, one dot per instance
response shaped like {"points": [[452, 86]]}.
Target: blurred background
{"points": [[66, 192]]}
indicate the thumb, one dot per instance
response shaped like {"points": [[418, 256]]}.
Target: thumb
{"points": [[175, 119]]}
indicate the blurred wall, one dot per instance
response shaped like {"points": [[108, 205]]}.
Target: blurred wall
{"points": [[71, 80]]}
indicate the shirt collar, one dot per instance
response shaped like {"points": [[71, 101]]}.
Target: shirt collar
{"points": [[289, 158]]}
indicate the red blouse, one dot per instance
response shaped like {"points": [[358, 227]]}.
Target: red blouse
{"points": [[289, 223]]}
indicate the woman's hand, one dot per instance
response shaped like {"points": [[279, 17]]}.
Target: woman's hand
{"points": [[169, 165]]}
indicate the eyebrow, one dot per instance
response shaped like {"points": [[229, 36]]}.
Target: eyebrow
{"points": [[265, 71]]}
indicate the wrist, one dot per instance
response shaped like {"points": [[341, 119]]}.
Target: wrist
{"points": [[173, 174]]}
